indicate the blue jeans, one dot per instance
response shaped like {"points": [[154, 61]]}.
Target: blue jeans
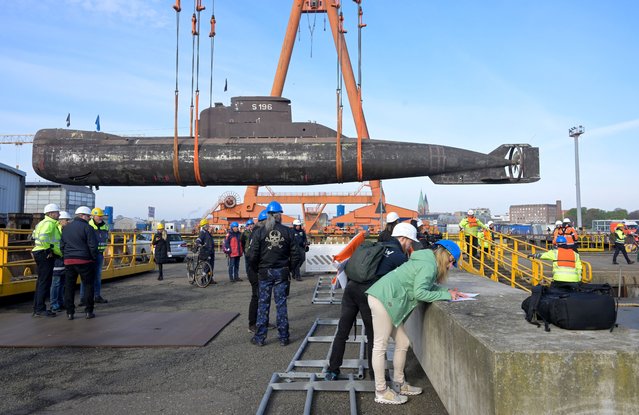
{"points": [[97, 284], [275, 282], [57, 290], [234, 268]]}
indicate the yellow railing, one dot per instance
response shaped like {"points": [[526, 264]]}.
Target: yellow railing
{"points": [[505, 260], [18, 272]]}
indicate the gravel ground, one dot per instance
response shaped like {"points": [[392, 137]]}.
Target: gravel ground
{"points": [[227, 376]]}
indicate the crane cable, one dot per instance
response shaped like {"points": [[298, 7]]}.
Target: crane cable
{"points": [[360, 112], [176, 171], [338, 146], [212, 36], [196, 148]]}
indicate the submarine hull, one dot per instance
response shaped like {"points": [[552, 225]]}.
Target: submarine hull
{"points": [[101, 159]]}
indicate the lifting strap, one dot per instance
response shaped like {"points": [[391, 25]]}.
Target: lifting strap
{"points": [[340, 107], [360, 25], [176, 171], [196, 149], [212, 36]]}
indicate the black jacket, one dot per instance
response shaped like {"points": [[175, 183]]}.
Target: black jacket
{"points": [[392, 258], [206, 243], [274, 249], [79, 241], [162, 247]]}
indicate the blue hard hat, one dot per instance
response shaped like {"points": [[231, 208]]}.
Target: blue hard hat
{"points": [[234, 225], [451, 247], [274, 207], [249, 222], [261, 216], [561, 240]]}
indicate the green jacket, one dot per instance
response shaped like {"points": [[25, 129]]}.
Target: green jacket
{"points": [[403, 288], [47, 235]]}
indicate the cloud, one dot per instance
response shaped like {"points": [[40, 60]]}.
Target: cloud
{"points": [[613, 129]]}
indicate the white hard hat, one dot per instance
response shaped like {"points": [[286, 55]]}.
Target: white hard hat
{"points": [[64, 215], [567, 220], [470, 212], [406, 230], [297, 222], [558, 223], [392, 217], [489, 223], [51, 207], [83, 210], [419, 223]]}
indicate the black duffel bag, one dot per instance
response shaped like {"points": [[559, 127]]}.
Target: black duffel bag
{"points": [[580, 307]]}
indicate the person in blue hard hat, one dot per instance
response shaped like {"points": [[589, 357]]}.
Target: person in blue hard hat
{"points": [[566, 264], [234, 251], [393, 298], [274, 253]]}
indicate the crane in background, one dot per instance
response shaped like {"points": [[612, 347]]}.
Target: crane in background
{"points": [[17, 140]]}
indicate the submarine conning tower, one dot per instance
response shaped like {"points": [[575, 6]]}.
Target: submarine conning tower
{"points": [[257, 117]]}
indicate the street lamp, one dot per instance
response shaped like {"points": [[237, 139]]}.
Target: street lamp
{"points": [[575, 132]]}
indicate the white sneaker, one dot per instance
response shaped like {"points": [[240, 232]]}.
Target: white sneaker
{"points": [[390, 397], [406, 389]]}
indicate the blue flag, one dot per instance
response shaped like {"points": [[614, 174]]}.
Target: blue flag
{"points": [[97, 123], [69, 119]]}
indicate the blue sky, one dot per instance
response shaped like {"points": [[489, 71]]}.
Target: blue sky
{"points": [[465, 74]]}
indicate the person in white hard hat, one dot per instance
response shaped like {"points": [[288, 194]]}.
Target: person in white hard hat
{"points": [[80, 250], [57, 284], [471, 226], [46, 237], [556, 232], [570, 234], [302, 242], [354, 299], [392, 219]]}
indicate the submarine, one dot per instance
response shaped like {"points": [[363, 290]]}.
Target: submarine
{"points": [[253, 141]]}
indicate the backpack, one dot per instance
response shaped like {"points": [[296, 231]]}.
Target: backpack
{"points": [[584, 307], [362, 265]]}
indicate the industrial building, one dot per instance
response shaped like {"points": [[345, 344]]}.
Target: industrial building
{"points": [[543, 214], [11, 190], [69, 198]]}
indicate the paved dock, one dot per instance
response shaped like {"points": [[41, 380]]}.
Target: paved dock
{"points": [[227, 376]]}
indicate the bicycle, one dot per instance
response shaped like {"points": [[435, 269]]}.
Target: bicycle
{"points": [[198, 271]]}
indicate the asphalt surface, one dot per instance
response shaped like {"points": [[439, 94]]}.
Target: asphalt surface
{"points": [[227, 376]]}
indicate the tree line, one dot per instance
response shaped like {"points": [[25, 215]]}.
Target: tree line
{"points": [[588, 215]]}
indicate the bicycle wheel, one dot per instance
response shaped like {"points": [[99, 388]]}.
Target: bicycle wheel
{"points": [[190, 270], [203, 274]]}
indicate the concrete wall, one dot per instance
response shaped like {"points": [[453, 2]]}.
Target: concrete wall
{"points": [[482, 357]]}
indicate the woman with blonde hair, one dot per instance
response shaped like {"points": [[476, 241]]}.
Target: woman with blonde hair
{"points": [[393, 298]]}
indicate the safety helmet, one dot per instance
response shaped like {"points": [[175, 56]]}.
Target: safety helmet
{"points": [[490, 223], [297, 222], [262, 216], [567, 220], [620, 225], [274, 207], [558, 223], [64, 215], [160, 226], [51, 207], [561, 240], [234, 225], [204, 222], [452, 248], [419, 223], [406, 230], [470, 212], [392, 217], [249, 222], [83, 210], [97, 212]]}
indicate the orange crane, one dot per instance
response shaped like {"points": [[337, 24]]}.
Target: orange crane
{"points": [[375, 203]]}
